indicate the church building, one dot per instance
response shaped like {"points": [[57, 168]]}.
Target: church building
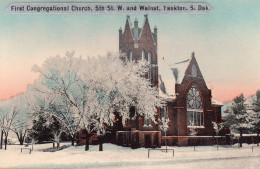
{"points": [[189, 101]]}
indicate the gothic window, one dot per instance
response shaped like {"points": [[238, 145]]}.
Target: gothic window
{"points": [[149, 59], [143, 55], [163, 112], [194, 107], [147, 122]]}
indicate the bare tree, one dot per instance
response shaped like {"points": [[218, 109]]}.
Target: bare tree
{"points": [[217, 127], [23, 120], [164, 127], [7, 116], [57, 137]]}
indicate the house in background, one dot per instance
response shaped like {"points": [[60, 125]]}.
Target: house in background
{"points": [[189, 102]]}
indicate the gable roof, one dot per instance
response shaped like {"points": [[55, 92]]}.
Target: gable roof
{"points": [[173, 73]]}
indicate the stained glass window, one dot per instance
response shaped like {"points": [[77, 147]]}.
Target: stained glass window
{"points": [[194, 107]]}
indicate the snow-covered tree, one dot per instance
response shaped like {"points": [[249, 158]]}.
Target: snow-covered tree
{"points": [[23, 120], [217, 127], [8, 113], [193, 131], [116, 86], [88, 92], [57, 136], [238, 118], [164, 126], [59, 86], [254, 110]]}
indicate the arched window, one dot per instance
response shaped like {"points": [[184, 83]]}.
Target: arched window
{"points": [[143, 55], [147, 122], [149, 60], [163, 112], [194, 108]]}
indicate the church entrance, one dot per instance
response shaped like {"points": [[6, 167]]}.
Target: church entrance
{"points": [[147, 140]]}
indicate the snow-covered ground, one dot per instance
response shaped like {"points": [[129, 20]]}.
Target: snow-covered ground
{"points": [[123, 157]]}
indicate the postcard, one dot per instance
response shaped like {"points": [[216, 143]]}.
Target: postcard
{"points": [[129, 84]]}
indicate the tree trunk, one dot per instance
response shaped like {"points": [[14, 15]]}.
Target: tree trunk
{"points": [[58, 146], [240, 140], [87, 141], [194, 142], [5, 143], [2, 135], [100, 138], [21, 139], [72, 140], [53, 145], [217, 142]]}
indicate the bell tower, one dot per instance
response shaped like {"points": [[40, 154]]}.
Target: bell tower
{"points": [[140, 43]]}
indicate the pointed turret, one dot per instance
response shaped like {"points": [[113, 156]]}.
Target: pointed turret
{"points": [[125, 38], [127, 33], [146, 35]]}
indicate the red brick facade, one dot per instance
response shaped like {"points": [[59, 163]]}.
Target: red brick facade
{"points": [[177, 111]]}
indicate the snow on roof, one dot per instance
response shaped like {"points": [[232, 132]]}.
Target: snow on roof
{"points": [[169, 75], [162, 91], [214, 101], [179, 69]]}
